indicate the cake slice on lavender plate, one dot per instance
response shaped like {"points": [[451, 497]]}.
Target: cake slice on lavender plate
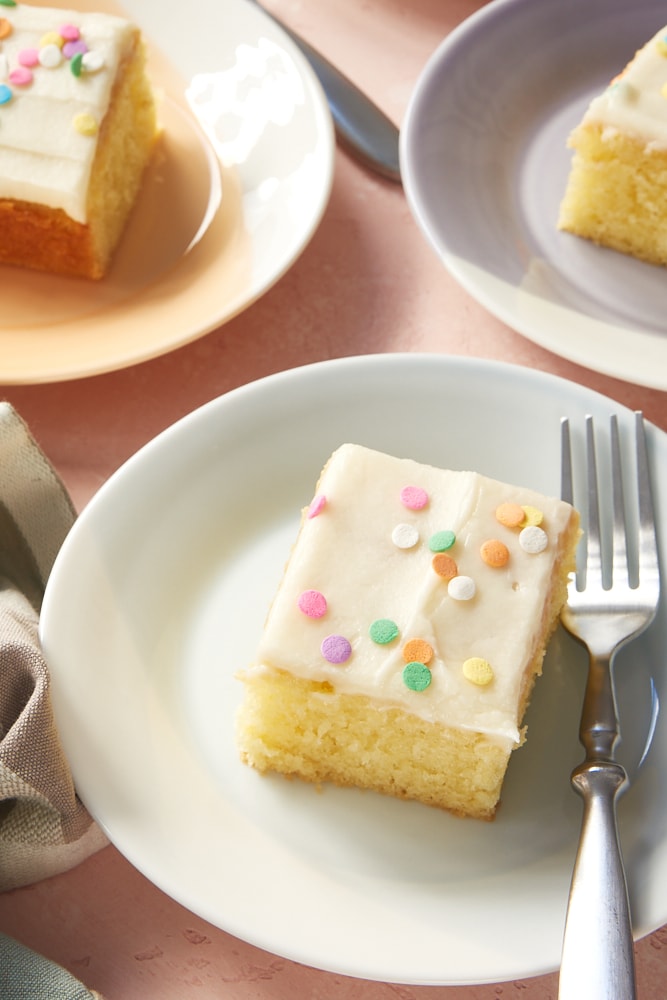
{"points": [[402, 646], [616, 192]]}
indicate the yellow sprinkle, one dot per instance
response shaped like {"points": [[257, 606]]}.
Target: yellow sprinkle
{"points": [[663, 90], [533, 517], [418, 650], [51, 38], [85, 124], [478, 671], [661, 46]]}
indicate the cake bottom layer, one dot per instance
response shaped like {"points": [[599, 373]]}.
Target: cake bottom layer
{"points": [[616, 194], [303, 728]]}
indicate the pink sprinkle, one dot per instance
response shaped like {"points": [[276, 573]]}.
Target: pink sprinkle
{"points": [[336, 649], [71, 49], [21, 76], [69, 32], [313, 604], [414, 497], [317, 505], [28, 57]]}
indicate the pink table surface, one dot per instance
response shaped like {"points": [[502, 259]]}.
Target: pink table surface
{"points": [[367, 283]]}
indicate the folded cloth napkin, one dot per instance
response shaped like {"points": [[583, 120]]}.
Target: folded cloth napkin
{"points": [[44, 828], [27, 976]]}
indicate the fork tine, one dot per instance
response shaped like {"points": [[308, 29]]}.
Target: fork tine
{"points": [[566, 490], [619, 557], [649, 572], [593, 539]]}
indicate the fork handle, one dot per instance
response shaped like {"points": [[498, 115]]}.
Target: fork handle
{"points": [[598, 956]]}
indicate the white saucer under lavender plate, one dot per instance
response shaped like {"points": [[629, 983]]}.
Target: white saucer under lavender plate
{"points": [[484, 163]]}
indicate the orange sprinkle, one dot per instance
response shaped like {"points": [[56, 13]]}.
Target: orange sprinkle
{"points": [[495, 553], [417, 650], [5, 27], [510, 514], [445, 566]]}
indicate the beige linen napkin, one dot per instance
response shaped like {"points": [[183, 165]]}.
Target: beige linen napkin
{"points": [[44, 828]]}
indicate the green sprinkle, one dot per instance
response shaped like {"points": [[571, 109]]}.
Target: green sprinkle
{"points": [[76, 63], [383, 630], [7, 3], [441, 541], [416, 676]]}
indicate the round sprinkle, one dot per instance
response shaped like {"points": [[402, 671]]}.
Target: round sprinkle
{"points": [[336, 649], [85, 124], [5, 27], [5, 93], [511, 515], [534, 516], [462, 588], [405, 536], [92, 61], [50, 56], [69, 32], [21, 76], [51, 38], [441, 541], [7, 3], [478, 671], [383, 631], [312, 603], [71, 49], [28, 57], [417, 650], [444, 566], [414, 497], [317, 505], [533, 539], [76, 64], [494, 553], [416, 676]]}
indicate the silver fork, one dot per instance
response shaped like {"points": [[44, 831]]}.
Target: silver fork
{"points": [[608, 604]]}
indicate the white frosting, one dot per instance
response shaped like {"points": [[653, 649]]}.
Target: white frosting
{"points": [[43, 158], [347, 554], [634, 103]]}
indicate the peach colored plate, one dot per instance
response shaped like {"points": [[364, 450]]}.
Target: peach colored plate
{"points": [[245, 126]]}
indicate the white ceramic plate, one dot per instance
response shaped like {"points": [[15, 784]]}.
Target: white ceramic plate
{"points": [[237, 187], [158, 597], [485, 164]]}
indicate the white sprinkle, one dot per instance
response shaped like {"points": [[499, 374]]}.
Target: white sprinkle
{"points": [[462, 588], [533, 539], [404, 536], [92, 61], [50, 56]]}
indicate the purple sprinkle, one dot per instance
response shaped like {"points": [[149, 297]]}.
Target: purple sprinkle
{"points": [[336, 649], [71, 49]]}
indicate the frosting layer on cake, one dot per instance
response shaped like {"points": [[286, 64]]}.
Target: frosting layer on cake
{"points": [[57, 72], [420, 588], [635, 102]]}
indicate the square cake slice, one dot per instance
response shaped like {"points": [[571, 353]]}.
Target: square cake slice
{"points": [[77, 129], [616, 192], [401, 648]]}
